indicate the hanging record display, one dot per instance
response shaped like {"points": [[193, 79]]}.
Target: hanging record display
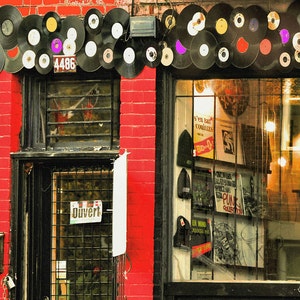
{"points": [[88, 56], [72, 28], [257, 23], [115, 24], [10, 19], [169, 19], [273, 20], [44, 61], [223, 55], [181, 55], [151, 53], [93, 21], [30, 34], [244, 53], [51, 22], [190, 22], [13, 61], [269, 48], [203, 49], [217, 21], [128, 57], [106, 56], [2, 58]]}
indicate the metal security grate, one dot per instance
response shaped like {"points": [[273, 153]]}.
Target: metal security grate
{"points": [[81, 259], [82, 114]]}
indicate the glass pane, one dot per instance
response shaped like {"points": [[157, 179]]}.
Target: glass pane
{"points": [[236, 207], [82, 266]]}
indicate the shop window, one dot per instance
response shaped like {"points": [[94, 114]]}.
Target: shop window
{"points": [[71, 113], [236, 202]]}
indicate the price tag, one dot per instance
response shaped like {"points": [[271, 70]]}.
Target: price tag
{"points": [[64, 63]]}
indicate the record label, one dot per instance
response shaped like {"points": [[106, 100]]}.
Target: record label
{"points": [[265, 47], [129, 55], [93, 21], [151, 54], [253, 25], [116, 30], [7, 27], [34, 37], [108, 55], [242, 45], [51, 24], [28, 59], [297, 56], [69, 47], [285, 59], [56, 45], [273, 20], [180, 49], [239, 20], [168, 19], [296, 41], [44, 61], [167, 56], [285, 35], [223, 54], [72, 34], [90, 49], [221, 26]]}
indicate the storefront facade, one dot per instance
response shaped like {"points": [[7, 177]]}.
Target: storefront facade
{"points": [[149, 151]]}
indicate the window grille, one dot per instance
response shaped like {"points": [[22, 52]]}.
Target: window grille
{"points": [[82, 114]]}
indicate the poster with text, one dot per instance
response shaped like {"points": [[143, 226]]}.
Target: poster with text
{"points": [[228, 192]]}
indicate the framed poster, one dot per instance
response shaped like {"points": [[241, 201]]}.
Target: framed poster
{"points": [[228, 192], [228, 143], [238, 241]]}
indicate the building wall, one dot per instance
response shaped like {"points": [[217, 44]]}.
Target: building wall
{"points": [[10, 124], [137, 136]]}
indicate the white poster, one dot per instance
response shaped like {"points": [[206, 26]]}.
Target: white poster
{"points": [[85, 212]]}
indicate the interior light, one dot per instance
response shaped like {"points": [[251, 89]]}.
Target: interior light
{"points": [[282, 161], [270, 126]]}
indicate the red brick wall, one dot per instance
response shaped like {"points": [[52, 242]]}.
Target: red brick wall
{"points": [[10, 124], [138, 117]]}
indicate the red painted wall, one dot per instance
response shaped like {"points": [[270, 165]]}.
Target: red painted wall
{"points": [[137, 135], [10, 124]]}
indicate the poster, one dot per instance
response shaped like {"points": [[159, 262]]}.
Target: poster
{"points": [[204, 142], [228, 193], [85, 211], [228, 144], [238, 242]]}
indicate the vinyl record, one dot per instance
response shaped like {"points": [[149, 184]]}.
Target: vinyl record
{"points": [[167, 55], [93, 21], [257, 23], [10, 19], [217, 21], [128, 57], [181, 58], [169, 19], [88, 56], [51, 22], [72, 28], [55, 43], [285, 61], [223, 55], [203, 53], [244, 53], [287, 28], [115, 24], [2, 58], [28, 59], [13, 60], [30, 34], [44, 61], [269, 48], [190, 22], [151, 53], [294, 9], [238, 20], [273, 20], [106, 56]]}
